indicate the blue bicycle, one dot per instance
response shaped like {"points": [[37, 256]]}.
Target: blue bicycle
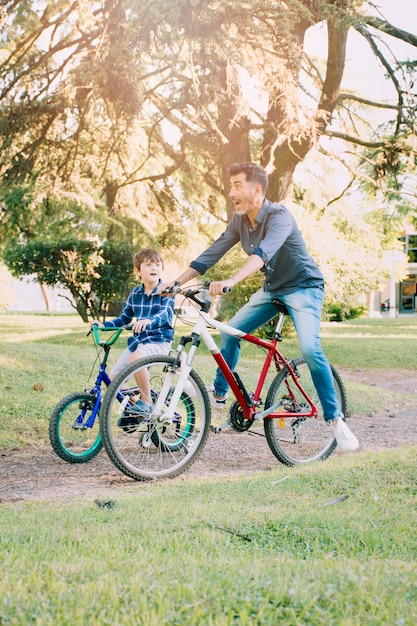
{"points": [[74, 430]]}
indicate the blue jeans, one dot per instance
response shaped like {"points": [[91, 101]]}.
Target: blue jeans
{"points": [[304, 307]]}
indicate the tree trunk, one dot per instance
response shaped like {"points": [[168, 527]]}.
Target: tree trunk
{"points": [[289, 152], [45, 294], [234, 129]]}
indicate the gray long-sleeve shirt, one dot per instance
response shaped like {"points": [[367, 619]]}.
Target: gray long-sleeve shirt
{"points": [[277, 239]]}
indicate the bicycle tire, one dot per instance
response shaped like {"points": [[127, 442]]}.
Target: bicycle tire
{"points": [[154, 448], [300, 440], [71, 443]]}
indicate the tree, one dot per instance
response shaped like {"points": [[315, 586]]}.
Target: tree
{"points": [[140, 107], [7, 295], [27, 216], [94, 275], [107, 65]]}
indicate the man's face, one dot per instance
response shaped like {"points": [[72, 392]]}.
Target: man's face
{"points": [[242, 193]]}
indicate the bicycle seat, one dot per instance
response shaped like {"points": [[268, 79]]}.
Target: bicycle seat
{"points": [[280, 306]]}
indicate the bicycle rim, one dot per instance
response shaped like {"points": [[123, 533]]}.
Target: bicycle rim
{"points": [[73, 434], [155, 446], [300, 440]]}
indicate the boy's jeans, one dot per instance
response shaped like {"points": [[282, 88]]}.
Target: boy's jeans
{"points": [[305, 308]]}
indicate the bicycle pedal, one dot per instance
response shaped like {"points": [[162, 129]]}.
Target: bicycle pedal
{"points": [[128, 424], [219, 429]]}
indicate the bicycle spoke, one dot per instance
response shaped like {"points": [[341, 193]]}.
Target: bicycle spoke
{"points": [[296, 440], [164, 443]]}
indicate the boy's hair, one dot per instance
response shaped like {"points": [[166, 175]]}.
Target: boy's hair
{"points": [[147, 254], [254, 173]]}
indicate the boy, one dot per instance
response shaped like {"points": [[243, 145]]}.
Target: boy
{"points": [[152, 330]]}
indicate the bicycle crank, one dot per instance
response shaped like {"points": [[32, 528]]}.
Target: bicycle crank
{"points": [[237, 421]]}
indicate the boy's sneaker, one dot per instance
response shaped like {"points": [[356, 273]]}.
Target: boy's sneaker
{"points": [[217, 402], [134, 415], [141, 409], [346, 440]]}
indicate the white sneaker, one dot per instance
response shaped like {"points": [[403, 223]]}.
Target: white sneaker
{"points": [[217, 402], [346, 440], [189, 389]]}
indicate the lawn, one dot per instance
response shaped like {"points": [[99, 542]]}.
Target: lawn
{"points": [[45, 357], [330, 543], [326, 544]]}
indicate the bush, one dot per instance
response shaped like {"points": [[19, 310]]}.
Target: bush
{"points": [[94, 274], [338, 312]]}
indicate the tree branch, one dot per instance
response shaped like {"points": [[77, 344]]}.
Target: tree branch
{"points": [[356, 140], [389, 29], [380, 105], [382, 59]]}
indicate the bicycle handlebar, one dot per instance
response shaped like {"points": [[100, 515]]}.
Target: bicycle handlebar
{"points": [[116, 333], [176, 288], [193, 293]]}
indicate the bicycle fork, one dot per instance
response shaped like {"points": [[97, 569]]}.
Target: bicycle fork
{"points": [[164, 408]]}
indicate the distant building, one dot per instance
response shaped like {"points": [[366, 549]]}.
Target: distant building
{"points": [[399, 296]]}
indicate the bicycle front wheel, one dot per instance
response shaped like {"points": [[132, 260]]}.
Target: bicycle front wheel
{"points": [[166, 442], [300, 439], [74, 428]]}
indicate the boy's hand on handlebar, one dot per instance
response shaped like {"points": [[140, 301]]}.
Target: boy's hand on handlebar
{"points": [[96, 323], [218, 288], [166, 289]]}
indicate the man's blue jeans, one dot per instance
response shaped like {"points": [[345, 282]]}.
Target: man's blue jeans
{"points": [[304, 307]]}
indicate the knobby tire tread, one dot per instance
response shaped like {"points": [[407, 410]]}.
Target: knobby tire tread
{"points": [[276, 383], [105, 417]]}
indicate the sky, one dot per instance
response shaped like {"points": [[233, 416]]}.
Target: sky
{"points": [[362, 71]]}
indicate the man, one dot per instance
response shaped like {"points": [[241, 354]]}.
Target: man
{"points": [[270, 236]]}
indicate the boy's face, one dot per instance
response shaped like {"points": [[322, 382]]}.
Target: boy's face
{"points": [[150, 271]]}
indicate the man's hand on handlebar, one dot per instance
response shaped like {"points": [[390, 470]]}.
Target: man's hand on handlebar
{"points": [[219, 287]]}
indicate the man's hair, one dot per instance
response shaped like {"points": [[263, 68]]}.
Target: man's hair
{"points": [[147, 254], [254, 173]]}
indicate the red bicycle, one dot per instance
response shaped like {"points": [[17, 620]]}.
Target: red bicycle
{"points": [[168, 440]]}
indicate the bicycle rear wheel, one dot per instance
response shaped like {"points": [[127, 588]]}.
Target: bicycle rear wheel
{"points": [[74, 429], [300, 440], [159, 445]]}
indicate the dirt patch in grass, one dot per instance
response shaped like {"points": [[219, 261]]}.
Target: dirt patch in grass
{"points": [[36, 473]]}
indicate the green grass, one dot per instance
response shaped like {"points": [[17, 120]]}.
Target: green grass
{"points": [[269, 549], [327, 544], [53, 350], [372, 343]]}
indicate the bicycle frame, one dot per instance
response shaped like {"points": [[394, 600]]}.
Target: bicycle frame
{"points": [[73, 431], [165, 440], [248, 403], [102, 376]]}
